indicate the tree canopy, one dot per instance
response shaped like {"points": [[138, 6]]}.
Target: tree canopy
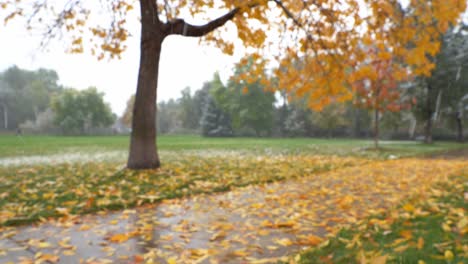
{"points": [[327, 36]]}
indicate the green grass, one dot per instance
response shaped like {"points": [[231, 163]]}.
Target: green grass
{"points": [[11, 146], [31, 192], [434, 231]]}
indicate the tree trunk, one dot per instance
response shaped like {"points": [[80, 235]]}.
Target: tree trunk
{"points": [[460, 136], [376, 129], [357, 123], [428, 131], [143, 149], [429, 113], [5, 117]]}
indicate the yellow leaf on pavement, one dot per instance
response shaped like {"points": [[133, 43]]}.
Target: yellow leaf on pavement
{"points": [[284, 242], [118, 238], [48, 258]]}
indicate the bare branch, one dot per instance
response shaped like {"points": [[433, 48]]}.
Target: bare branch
{"points": [[180, 27]]}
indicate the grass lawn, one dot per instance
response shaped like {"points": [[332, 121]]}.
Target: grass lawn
{"points": [[11, 146], [191, 165], [430, 231]]}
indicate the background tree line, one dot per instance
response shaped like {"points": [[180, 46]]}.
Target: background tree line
{"points": [[35, 102], [241, 108]]}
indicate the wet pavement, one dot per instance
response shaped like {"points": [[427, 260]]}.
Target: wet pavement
{"points": [[255, 224]]}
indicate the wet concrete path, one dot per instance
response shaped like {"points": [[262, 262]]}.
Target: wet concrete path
{"points": [[255, 224]]}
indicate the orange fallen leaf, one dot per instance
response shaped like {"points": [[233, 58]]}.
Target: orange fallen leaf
{"points": [[408, 207], [406, 234], [138, 259], [287, 224], [218, 236], [48, 258], [420, 244], [118, 238], [89, 202], [310, 240]]}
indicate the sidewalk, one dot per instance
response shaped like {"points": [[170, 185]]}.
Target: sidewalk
{"points": [[256, 223]]}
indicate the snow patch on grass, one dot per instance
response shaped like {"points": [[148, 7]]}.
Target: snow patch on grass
{"points": [[70, 157]]}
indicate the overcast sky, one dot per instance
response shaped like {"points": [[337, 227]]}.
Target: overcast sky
{"points": [[183, 63]]}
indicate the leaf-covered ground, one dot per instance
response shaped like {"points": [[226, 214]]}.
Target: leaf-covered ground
{"points": [[259, 223], [28, 194], [432, 230]]}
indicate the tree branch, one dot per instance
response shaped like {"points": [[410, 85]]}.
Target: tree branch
{"points": [[288, 13], [180, 27]]}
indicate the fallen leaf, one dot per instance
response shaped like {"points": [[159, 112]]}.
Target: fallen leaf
{"points": [[420, 243], [286, 242], [118, 238], [408, 207], [379, 260], [401, 248], [310, 240], [49, 258], [406, 234], [448, 255]]}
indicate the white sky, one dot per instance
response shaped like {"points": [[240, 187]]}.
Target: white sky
{"points": [[183, 63]]}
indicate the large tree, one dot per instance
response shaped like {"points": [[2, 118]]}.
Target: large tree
{"points": [[324, 34]]}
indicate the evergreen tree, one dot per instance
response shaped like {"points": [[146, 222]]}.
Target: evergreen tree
{"points": [[214, 122]]}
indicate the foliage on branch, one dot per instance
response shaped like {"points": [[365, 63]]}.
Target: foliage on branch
{"points": [[325, 36]]}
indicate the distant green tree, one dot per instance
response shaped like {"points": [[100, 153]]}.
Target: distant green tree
{"points": [[210, 101], [6, 97], [168, 119], [331, 117], [188, 115], [453, 73], [78, 111], [25, 94], [295, 124], [447, 85], [215, 122], [249, 104], [200, 99]]}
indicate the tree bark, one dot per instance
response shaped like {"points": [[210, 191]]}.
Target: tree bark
{"points": [[429, 113], [376, 129], [460, 136], [5, 116], [143, 149]]}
